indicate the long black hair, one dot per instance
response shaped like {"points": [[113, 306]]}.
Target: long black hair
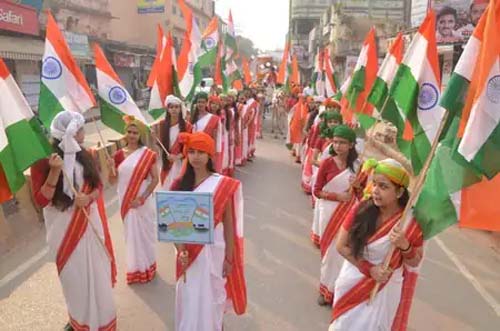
{"points": [[227, 111], [165, 134], [352, 156], [311, 118], [187, 180], [194, 107], [365, 223], [90, 174]]}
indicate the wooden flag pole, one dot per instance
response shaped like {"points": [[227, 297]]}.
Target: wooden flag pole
{"points": [[413, 197], [88, 219], [108, 156]]}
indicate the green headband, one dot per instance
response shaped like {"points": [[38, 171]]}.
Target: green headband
{"points": [[390, 168], [343, 131], [200, 95]]}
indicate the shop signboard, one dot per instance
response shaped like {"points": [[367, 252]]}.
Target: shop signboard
{"points": [[18, 18], [150, 6]]}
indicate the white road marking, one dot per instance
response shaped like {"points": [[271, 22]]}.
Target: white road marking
{"points": [[468, 275], [34, 259], [23, 267]]}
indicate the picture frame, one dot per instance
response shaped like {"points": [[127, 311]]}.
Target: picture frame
{"points": [[185, 217]]}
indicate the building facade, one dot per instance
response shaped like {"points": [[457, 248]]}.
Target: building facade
{"points": [[136, 25]]}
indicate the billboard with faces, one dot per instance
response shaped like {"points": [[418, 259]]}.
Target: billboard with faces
{"points": [[456, 19]]}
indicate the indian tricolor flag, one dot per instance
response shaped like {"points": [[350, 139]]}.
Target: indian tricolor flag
{"points": [[317, 82], [21, 140], [363, 78], [230, 39], [165, 77], [416, 90], [209, 43], [189, 69], [285, 69], [380, 90], [115, 101], [63, 85], [329, 74], [480, 124], [380, 98], [454, 190]]}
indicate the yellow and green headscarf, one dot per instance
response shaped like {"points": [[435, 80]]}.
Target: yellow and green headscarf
{"points": [[390, 168]]}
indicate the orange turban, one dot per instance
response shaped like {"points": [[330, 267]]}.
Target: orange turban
{"points": [[331, 103], [214, 99], [199, 141]]}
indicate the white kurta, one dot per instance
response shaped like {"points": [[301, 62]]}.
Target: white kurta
{"points": [[86, 277], [139, 224], [202, 300]]}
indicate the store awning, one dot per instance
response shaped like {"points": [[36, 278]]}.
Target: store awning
{"points": [[21, 48]]}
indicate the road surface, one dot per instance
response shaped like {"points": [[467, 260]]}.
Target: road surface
{"points": [[459, 287]]}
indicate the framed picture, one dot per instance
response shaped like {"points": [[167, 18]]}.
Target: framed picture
{"points": [[185, 217]]}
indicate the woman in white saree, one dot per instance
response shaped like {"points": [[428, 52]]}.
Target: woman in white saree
{"points": [[137, 177], [364, 241], [77, 234], [332, 189], [170, 129], [210, 278]]}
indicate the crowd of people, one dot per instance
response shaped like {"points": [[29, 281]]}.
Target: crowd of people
{"points": [[358, 203], [194, 150]]}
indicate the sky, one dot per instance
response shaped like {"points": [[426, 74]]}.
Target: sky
{"points": [[265, 22]]}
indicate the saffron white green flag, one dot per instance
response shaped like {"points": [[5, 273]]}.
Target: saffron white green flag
{"points": [[22, 142], [461, 160], [190, 74], [116, 102], [63, 85], [416, 90]]}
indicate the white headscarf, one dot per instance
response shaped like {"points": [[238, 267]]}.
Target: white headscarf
{"points": [[64, 128], [172, 99]]}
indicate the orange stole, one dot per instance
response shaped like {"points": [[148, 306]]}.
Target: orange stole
{"points": [[297, 122], [212, 126], [74, 233], [362, 290], [235, 286], [175, 150], [141, 170]]}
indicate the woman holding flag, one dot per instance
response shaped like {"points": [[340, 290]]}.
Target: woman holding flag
{"points": [[137, 177], [332, 188], [209, 277], [325, 143], [204, 121], [68, 188], [364, 240], [170, 129], [227, 119]]}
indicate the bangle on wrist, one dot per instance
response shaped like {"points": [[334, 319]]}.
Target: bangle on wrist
{"points": [[405, 250], [410, 253]]}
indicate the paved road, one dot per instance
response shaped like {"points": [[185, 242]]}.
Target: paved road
{"points": [[282, 270]]}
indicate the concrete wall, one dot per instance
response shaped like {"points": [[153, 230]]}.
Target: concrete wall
{"points": [[140, 29]]}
